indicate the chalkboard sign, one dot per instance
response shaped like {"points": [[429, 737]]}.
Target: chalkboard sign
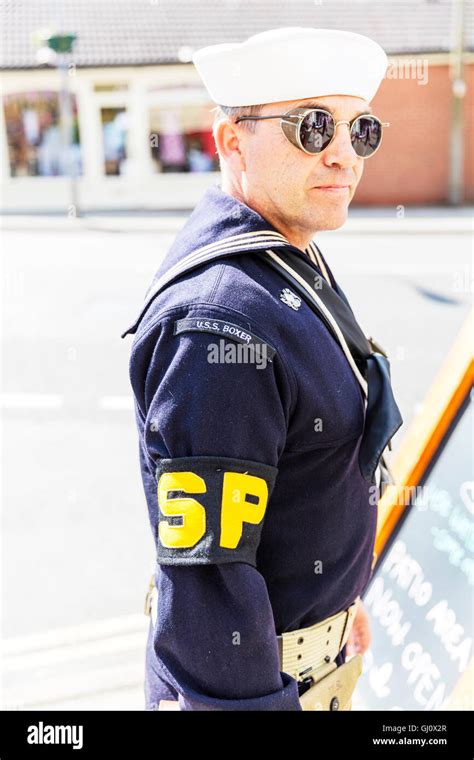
{"points": [[420, 598]]}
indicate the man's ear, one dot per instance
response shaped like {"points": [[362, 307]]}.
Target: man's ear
{"points": [[228, 139]]}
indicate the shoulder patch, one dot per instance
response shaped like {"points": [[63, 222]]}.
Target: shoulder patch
{"points": [[225, 329]]}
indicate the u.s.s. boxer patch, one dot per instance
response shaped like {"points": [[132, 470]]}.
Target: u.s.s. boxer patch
{"points": [[255, 346]]}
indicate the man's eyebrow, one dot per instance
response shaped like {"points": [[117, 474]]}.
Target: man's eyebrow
{"points": [[367, 110]]}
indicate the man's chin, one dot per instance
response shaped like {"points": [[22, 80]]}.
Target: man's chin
{"points": [[332, 219]]}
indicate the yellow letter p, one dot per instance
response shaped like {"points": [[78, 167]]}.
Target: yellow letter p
{"points": [[236, 510]]}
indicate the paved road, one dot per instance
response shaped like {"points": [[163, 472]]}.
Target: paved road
{"points": [[76, 541]]}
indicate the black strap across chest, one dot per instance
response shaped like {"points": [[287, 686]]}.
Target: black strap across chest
{"points": [[382, 416]]}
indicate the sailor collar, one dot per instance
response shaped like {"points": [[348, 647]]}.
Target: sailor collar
{"points": [[220, 225]]}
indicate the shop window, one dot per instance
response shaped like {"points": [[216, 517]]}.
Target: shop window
{"points": [[114, 132], [181, 139], [35, 143]]}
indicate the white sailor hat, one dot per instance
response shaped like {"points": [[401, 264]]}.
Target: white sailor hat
{"points": [[291, 63]]}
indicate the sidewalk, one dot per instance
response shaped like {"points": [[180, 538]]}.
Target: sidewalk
{"points": [[361, 220], [92, 666]]}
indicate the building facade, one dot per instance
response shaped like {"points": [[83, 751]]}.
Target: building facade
{"points": [[142, 121]]}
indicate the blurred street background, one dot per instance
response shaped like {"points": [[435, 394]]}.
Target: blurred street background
{"points": [[106, 146]]}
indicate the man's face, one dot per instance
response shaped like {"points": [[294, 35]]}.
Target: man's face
{"points": [[290, 187]]}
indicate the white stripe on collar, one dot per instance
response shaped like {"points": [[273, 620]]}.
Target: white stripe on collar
{"points": [[312, 251], [241, 239], [232, 244]]}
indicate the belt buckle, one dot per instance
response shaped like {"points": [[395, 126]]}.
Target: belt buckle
{"points": [[328, 646]]}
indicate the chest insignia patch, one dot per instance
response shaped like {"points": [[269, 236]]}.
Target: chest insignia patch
{"points": [[290, 299]]}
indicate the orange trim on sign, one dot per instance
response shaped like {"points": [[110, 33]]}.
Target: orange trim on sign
{"points": [[425, 435]]}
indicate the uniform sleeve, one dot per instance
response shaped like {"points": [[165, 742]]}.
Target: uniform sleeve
{"points": [[215, 427]]}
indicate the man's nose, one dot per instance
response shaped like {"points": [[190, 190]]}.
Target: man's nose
{"points": [[340, 150]]}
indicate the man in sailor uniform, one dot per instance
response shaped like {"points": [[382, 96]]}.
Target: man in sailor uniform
{"points": [[262, 468]]}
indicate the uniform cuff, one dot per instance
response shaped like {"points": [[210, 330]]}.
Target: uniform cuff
{"points": [[286, 699]]}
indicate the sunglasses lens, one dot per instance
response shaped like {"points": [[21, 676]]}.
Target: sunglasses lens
{"points": [[366, 135], [316, 131]]}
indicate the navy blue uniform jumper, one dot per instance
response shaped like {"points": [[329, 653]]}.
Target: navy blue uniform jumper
{"points": [[263, 522]]}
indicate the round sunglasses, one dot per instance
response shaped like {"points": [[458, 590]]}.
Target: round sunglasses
{"points": [[313, 129]]}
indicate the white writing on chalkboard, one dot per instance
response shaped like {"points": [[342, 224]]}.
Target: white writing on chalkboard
{"points": [[401, 566], [387, 611], [423, 674], [450, 633], [419, 598], [455, 537]]}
